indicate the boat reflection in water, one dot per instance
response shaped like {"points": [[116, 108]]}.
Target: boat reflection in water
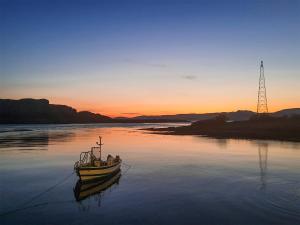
{"points": [[95, 187]]}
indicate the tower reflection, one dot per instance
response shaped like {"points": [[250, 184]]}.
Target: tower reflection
{"points": [[263, 163]]}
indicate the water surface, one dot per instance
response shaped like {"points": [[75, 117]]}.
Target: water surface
{"points": [[165, 179]]}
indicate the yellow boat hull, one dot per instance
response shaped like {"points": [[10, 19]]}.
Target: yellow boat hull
{"points": [[91, 173]]}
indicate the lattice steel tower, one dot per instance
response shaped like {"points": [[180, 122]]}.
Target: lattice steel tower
{"points": [[262, 105]]}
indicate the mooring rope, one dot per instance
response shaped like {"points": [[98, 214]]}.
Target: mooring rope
{"points": [[35, 206], [24, 204], [128, 167]]}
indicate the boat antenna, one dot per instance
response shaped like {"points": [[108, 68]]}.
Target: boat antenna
{"points": [[100, 144]]}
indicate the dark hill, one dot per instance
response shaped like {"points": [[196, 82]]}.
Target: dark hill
{"points": [[240, 115], [88, 117], [237, 116], [40, 111], [287, 112], [262, 127]]}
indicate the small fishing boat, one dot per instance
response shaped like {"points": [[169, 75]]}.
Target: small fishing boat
{"points": [[89, 167]]}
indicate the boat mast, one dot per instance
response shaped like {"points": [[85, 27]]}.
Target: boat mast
{"points": [[100, 144]]}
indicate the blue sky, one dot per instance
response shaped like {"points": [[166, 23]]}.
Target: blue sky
{"points": [[150, 57]]}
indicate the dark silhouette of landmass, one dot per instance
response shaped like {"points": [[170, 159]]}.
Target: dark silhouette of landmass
{"points": [[287, 112], [40, 111], [286, 128], [239, 115]]}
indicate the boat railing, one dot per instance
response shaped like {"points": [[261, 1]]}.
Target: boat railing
{"points": [[85, 158]]}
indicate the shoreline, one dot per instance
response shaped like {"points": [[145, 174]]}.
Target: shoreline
{"points": [[225, 137], [105, 122], [277, 129]]}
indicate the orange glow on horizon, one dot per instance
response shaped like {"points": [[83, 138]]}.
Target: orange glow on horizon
{"points": [[137, 109], [183, 105]]}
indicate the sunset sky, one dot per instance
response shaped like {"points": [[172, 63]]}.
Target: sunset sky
{"points": [[127, 58]]}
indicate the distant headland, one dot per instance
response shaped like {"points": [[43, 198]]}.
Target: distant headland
{"points": [[265, 126], [39, 111]]}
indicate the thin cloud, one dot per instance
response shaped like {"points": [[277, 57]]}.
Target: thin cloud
{"points": [[189, 77], [131, 113]]}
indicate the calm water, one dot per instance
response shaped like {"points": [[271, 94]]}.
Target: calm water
{"points": [[166, 179]]}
